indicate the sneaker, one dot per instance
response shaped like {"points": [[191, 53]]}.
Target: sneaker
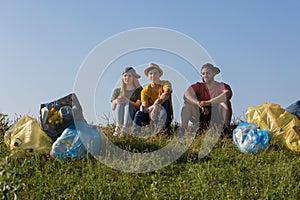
{"points": [[117, 131]]}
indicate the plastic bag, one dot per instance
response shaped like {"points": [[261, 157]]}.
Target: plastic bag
{"points": [[294, 109], [59, 114], [283, 126], [26, 137], [80, 141], [249, 138]]}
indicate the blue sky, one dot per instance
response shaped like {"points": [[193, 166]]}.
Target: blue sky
{"points": [[44, 43]]}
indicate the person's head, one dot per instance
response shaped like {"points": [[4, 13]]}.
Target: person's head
{"points": [[129, 77], [208, 72], [153, 72]]}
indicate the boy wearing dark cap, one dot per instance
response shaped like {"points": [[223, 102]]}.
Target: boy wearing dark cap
{"points": [[204, 97]]}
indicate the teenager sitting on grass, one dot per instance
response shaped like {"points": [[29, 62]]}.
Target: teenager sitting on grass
{"points": [[156, 101], [126, 100], [204, 97]]}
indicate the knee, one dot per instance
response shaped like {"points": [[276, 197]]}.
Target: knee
{"points": [[226, 106], [186, 107], [138, 117], [138, 114]]}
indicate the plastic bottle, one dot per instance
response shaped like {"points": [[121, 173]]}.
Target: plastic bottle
{"points": [[44, 114], [66, 113]]}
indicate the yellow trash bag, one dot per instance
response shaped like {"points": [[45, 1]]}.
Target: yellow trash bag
{"points": [[26, 137], [283, 126]]}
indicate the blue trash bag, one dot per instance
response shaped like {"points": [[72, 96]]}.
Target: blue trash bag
{"points": [[249, 138], [80, 141], [294, 109]]}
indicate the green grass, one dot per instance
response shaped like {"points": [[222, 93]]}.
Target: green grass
{"points": [[225, 173]]}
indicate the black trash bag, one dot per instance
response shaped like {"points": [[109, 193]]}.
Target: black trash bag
{"points": [[57, 115], [294, 109]]}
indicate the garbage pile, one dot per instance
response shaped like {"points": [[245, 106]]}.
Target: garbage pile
{"points": [[283, 126], [61, 130]]}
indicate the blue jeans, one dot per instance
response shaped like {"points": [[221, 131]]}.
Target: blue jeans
{"points": [[124, 114], [141, 118]]}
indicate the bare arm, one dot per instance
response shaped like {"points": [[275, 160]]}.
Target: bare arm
{"points": [[136, 104], [223, 97], [163, 97], [113, 104], [114, 98], [145, 107], [190, 96]]}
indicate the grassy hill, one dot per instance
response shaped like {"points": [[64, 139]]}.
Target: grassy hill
{"points": [[225, 173]]}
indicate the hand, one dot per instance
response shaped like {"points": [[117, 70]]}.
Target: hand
{"points": [[124, 99], [205, 110], [121, 100], [157, 101], [202, 104]]}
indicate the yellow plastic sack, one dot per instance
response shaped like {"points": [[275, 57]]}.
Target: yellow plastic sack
{"points": [[26, 137], [283, 126]]}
